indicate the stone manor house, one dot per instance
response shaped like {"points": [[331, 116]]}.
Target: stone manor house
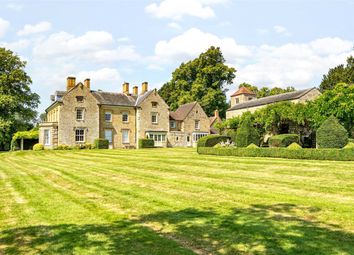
{"points": [[81, 115]]}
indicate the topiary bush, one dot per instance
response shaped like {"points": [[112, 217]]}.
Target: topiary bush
{"points": [[101, 143], [294, 146], [211, 140], [38, 147], [246, 134], [331, 134], [350, 145], [252, 146], [283, 140], [146, 143]]}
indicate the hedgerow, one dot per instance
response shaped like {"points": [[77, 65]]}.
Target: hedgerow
{"points": [[315, 154], [146, 143], [211, 140]]}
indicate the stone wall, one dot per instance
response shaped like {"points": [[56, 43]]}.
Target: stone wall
{"points": [[67, 116], [117, 125]]}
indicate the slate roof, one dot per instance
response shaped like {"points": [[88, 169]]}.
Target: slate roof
{"points": [[142, 97], [271, 99], [243, 90], [109, 98], [182, 112]]}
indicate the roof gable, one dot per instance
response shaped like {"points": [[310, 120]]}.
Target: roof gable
{"points": [[243, 91]]}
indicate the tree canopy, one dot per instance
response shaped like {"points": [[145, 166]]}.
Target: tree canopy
{"points": [[204, 79], [338, 74], [265, 91], [17, 101]]}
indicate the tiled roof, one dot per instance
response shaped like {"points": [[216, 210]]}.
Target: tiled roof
{"points": [[271, 99], [243, 90], [182, 112], [109, 98], [142, 97]]}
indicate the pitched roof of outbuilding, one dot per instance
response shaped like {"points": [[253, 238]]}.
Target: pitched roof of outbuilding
{"points": [[243, 91], [271, 99], [182, 112]]}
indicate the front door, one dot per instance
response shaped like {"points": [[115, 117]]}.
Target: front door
{"points": [[108, 135], [189, 143]]}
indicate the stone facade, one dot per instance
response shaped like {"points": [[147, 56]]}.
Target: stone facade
{"points": [[191, 123]]}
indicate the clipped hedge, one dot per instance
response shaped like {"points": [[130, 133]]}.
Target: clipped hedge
{"points": [[101, 143], [246, 134], [311, 154], [38, 147], [146, 143], [331, 134], [211, 140], [283, 140], [350, 145], [294, 146]]}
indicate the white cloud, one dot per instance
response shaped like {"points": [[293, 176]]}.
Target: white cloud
{"points": [[174, 25], [281, 30], [176, 9], [98, 76], [17, 45], [4, 26], [193, 42], [15, 6], [35, 29], [96, 46]]}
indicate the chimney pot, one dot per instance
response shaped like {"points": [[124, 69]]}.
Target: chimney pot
{"points": [[216, 113], [135, 90], [87, 83], [126, 88], [70, 82], [144, 87]]}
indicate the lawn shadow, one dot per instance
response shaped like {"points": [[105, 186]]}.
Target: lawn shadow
{"points": [[259, 229]]}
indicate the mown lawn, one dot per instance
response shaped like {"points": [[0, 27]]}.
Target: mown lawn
{"points": [[173, 201]]}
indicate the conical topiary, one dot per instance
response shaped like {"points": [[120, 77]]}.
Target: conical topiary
{"points": [[252, 146], [331, 134], [246, 134], [349, 146], [294, 146]]}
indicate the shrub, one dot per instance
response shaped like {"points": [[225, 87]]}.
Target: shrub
{"points": [[294, 146], [211, 140], [62, 147], [350, 140], [350, 145], [252, 146], [101, 143], [246, 134], [314, 154], [38, 147], [283, 140], [232, 134], [331, 134], [146, 143]]}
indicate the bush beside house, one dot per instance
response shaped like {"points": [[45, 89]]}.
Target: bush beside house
{"points": [[246, 134], [101, 143], [146, 143], [212, 140]]}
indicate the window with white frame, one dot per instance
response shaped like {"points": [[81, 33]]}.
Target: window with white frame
{"points": [[80, 135], [172, 124], [157, 137], [46, 137], [125, 117], [197, 124], [154, 118], [197, 136], [108, 116], [125, 136], [79, 114]]}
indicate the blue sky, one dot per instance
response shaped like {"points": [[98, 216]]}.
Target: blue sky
{"points": [[270, 43]]}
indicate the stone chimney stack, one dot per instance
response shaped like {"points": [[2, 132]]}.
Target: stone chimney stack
{"points": [[144, 87], [135, 90], [216, 113], [126, 88], [70, 83], [87, 83]]}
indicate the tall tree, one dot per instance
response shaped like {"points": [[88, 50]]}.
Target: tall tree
{"points": [[204, 79], [338, 74], [17, 102]]}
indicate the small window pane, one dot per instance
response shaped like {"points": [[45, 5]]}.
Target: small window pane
{"points": [[154, 117], [125, 134], [108, 116], [46, 137], [125, 117], [79, 114], [79, 135]]}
